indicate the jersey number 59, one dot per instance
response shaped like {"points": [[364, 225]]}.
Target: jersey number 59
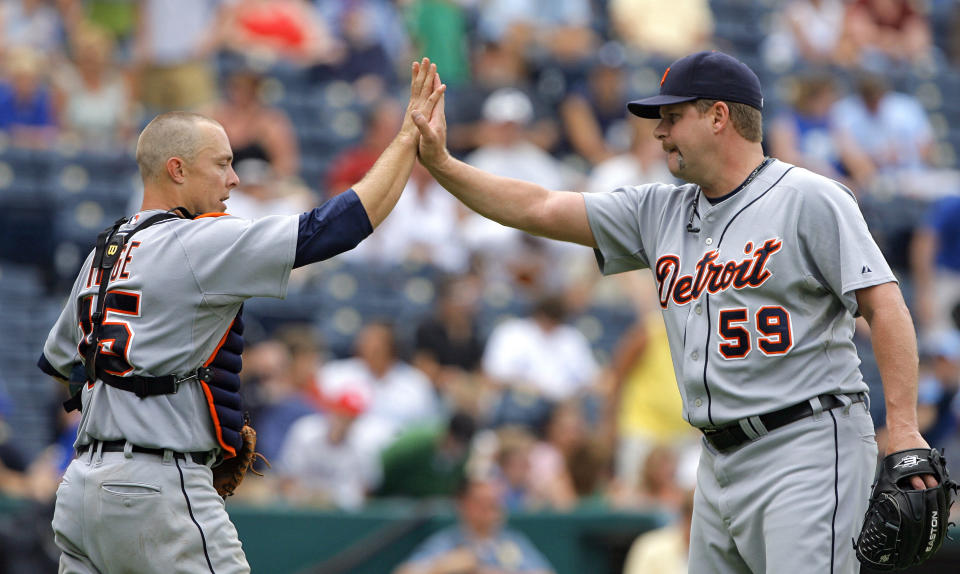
{"points": [[772, 323]]}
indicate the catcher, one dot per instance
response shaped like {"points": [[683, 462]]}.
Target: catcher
{"points": [[909, 510], [153, 324]]}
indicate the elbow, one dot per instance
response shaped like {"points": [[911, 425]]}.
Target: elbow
{"points": [[883, 302]]}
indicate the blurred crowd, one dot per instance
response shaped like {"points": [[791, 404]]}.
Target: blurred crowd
{"points": [[500, 378]]}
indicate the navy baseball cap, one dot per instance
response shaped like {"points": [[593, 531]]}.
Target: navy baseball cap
{"points": [[708, 75]]}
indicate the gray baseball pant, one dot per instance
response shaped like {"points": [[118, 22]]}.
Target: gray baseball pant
{"points": [[144, 513], [791, 500]]}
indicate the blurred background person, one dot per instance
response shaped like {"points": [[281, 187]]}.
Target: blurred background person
{"points": [[563, 434], [882, 133], [643, 162], [448, 347], [370, 39], [663, 550], [423, 229], [440, 29], [427, 460], [172, 51], [95, 97], [322, 463], [381, 121], [262, 193], [495, 67], [938, 407], [811, 33], [398, 395], [506, 253], [27, 111], [34, 24], [557, 30], [594, 122], [478, 542], [538, 361], [667, 29], [935, 267], [256, 129], [273, 31], [805, 133], [512, 467], [272, 397], [645, 410], [891, 31]]}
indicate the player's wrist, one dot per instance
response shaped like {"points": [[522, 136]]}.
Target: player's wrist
{"points": [[408, 136], [436, 162]]}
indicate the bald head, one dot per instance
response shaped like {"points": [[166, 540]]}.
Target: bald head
{"points": [[172, 134]]}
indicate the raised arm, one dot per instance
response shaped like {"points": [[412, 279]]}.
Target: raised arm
{"points": [[380, 189], [555, 214]]}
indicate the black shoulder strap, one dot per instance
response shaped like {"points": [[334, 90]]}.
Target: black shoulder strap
{"points": [[110, 244]]}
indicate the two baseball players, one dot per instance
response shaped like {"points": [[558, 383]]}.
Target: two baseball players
{"points": [[760, 267], [154, 316]]}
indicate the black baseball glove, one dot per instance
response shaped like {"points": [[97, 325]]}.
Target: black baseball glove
{"points": [[904, 527]]}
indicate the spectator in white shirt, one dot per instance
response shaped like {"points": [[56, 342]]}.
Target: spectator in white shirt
{"points": [[322, 462], [539, 361], [398, 395]]}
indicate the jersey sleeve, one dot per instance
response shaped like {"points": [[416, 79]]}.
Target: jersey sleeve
{"points": [[233, 256], [838, 243], [616, 219], [60, 352]]}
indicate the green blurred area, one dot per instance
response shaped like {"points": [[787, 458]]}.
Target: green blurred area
{"points": [[377, 539], [286, 540]]}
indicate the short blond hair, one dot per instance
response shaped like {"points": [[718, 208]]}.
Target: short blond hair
{"points": [[171, 134], [747, 120]]}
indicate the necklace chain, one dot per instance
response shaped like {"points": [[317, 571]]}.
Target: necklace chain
{"points": [[754, 173]]}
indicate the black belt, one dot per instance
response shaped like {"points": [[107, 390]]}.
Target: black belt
{"points": [[199, 457], [732, 436]]}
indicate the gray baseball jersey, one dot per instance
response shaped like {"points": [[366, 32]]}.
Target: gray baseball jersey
{"points": [[757, 291], [172, 298]]}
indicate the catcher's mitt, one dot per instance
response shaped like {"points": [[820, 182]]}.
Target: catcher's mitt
{"points": [[228, 475], [904, 527]]}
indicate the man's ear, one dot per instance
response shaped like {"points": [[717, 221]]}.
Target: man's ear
{"points": [[720, 116], [175, 168]]}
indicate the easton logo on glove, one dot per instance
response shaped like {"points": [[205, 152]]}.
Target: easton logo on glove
{"points": [[909, 461], [903, 527]]}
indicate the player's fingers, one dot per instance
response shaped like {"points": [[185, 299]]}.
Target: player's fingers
{"points": [[414, 71], [433, 99], [416, 83], [929, 480], [442, 118], [422, 124], [424, 74], [428, 81]]}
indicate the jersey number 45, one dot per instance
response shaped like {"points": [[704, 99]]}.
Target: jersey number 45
{"points": [[115, 335]]}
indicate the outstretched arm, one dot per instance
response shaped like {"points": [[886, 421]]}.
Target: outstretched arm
{"points": [[555, 214], [895, 346], [380, 189]]}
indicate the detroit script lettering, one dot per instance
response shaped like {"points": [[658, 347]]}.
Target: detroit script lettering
{"points": [[713, 276]]}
